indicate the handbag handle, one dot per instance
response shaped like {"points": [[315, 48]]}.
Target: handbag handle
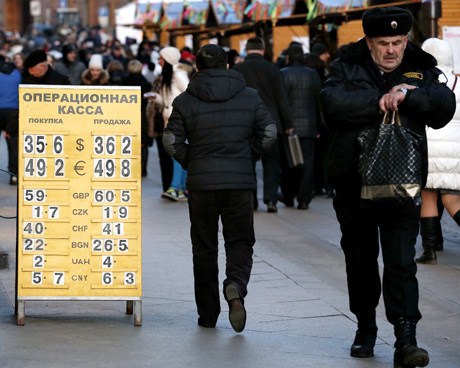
{"points": [[394, 119]]}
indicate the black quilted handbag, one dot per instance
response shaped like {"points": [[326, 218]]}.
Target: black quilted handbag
{"points": [[390, 163]]}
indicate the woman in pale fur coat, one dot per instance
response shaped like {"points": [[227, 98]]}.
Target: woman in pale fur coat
{"points": [[443, 162], [173, 81], [95, 75]]}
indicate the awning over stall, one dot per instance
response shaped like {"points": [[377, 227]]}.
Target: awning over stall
{"points": [[269, 9], [200, 16], [195, 12], [228, 11], [337, 11], [125, 19], [148, 11], [172, 14], [125, 15]]}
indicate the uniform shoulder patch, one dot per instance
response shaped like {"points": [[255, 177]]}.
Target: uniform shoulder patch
{"points": [[414, 75]]}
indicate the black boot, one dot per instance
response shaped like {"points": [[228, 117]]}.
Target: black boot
{"points": [[429, 231], [457, 218], [407, 353], [440, 243], [363, 346], [440, 205]]}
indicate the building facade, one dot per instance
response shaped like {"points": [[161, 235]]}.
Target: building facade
{"points": [[19, 15]]}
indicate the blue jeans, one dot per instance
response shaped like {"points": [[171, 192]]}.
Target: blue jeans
{"points": [[179, 177]]}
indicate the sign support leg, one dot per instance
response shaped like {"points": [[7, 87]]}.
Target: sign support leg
{"points": [[138, 313], [129, 307], [21, 313]]}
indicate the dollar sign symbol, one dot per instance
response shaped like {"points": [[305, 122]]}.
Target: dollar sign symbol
{"points": [[80, 146]]}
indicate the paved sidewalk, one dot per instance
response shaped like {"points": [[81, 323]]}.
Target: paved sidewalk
{"points": [[297, 303]]}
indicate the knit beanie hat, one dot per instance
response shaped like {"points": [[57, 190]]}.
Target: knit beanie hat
{"points": [[35, 57], [95, 62], [170, 54]]}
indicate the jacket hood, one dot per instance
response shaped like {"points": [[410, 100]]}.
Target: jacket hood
{"points": [[67, 49], [443, 53], [414, 56], [215, 85]]}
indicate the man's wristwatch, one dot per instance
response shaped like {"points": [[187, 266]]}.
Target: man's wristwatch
{"points": [[403, 90]]}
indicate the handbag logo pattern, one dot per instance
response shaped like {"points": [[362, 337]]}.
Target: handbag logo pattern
{"points": [[390, 162]]}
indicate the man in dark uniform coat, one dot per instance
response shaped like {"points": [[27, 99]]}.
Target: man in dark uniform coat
{"points": [[381, 72], [266, 78], [37, 70], [217, 129]]}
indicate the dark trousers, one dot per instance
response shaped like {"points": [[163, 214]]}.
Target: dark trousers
{"points": [[319, 165], [271, 164], [144, 158], [9, 121], [166, 164], [299, 182], [12, 144], [397, 228], [235, 208], [307, 180]]}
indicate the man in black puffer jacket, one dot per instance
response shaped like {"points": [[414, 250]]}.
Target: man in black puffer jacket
{"points": [[382, 72], [217, 128]]}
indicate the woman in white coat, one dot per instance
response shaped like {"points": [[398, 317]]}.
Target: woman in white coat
{"points": [[443, 161], [174, 81]]}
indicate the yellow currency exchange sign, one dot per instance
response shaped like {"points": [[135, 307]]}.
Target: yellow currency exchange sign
{"points": [[79, 212]]}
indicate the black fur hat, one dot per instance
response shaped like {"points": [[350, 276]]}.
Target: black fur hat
{"points": [[35, 57], [390, 21]]}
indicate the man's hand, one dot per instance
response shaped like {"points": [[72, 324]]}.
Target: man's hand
{"points": [[391, 100], [289, 131]]}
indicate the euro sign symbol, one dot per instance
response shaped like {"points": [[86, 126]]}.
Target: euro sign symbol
{"points": [[79, 166], [80, 146]]}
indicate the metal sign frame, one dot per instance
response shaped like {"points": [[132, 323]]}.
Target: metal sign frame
{"points": [[79, 196]]}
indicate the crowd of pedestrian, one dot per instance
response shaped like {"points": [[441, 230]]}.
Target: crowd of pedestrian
{"points": [[72, 56], [92, 58]]}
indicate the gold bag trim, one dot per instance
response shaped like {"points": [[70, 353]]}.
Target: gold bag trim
{"points": [[390, 190]]}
